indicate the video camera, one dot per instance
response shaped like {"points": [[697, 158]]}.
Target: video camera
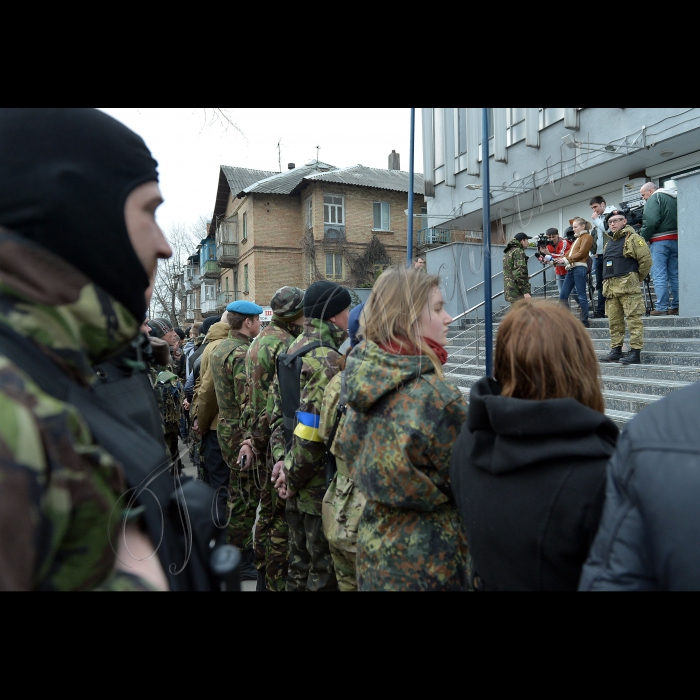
{"points": [[634, 213]]}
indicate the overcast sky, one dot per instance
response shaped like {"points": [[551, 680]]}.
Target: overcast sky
{"points": [[190, 147]]}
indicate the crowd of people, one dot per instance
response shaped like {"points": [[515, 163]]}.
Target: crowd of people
{"points": [[332, 452]]}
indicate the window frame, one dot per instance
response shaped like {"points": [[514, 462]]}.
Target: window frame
{"points": [[334, 259], [335, 207], [381, 216], [245, 226], [309, 209], [246, 279]]}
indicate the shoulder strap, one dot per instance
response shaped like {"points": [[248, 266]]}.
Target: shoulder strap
{"points": [[288, 359], [340, 411]]}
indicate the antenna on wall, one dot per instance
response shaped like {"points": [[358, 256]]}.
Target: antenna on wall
{"points": [[279, 153]]}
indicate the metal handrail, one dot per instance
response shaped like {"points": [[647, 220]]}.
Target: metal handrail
{"points": [[495, 296]]}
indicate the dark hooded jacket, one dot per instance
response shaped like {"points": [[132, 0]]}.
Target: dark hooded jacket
{"points": [[529, 480]]}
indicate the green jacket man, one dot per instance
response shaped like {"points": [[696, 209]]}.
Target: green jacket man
{"points": [[302, 481], [516, 284]]}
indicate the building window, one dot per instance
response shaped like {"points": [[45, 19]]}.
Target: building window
{"points": [[333, 209], [245, 226], [334, 265], [381, 216], [245, 274], [309, 213], [379, 268]]}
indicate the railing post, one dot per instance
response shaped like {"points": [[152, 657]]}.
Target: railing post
{"points": [[488, 325]]}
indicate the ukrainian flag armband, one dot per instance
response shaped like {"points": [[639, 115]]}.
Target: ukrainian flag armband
{"points": [[307, 426]]}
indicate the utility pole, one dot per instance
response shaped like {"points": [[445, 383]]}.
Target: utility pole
{"points": [[486, 189], [409, 230]]}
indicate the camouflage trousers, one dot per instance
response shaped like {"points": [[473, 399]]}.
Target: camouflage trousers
{"points": [[399, 549], [271, 534], [630, 308], [310, 562], [342, 508]]}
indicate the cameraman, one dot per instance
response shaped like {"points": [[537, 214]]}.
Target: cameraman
{"points": [[660, 231], [599, 208]]}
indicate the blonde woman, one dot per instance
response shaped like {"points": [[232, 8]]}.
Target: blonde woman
{"points": [[576, 261], [402, 421]]}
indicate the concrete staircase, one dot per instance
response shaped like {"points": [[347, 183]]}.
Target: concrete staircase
{"points": [[671, 360]]}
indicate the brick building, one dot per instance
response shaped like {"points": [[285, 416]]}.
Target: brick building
{"points": [[310, 222]]}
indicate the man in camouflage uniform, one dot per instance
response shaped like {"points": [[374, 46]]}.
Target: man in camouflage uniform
{"points": [[301, 481], [516, 284], [271, 530], [627, 261], [228, 371], [169, 391], [60, 489]]}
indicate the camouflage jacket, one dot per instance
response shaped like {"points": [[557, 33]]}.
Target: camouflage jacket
{"points": [[58, 488], [515, 277], [329, 414], [400, 426], [261, 366], [227, 362], [637, 249], [303, 464]]}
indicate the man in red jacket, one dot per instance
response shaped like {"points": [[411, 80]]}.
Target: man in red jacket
{"points": [[558, 246]]}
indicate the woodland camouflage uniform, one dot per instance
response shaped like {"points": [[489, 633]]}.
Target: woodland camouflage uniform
{"points": [[58, 488], [271, 531], [401, 423], [227, 362], [623, 296], [343, 502], [515, 276], [310, 563]]}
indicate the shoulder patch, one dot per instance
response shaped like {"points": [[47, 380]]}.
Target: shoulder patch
{"points": [[642, 243]]}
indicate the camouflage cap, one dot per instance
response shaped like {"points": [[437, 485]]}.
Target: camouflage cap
{"points": [[288, 303]]}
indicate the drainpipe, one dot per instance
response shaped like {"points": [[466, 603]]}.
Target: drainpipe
{"points": [[486, 189], [409, 244]]}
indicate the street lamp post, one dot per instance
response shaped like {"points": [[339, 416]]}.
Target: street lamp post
{"points": [[488, 324], [409, 245]]}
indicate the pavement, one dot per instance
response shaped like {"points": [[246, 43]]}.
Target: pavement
{"points": [[191, 470]]}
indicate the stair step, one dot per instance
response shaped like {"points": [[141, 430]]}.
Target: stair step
{"points": [[646, 371], [626, 401]]}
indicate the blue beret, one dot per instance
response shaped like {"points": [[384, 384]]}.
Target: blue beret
{"points": [[247, 308]]}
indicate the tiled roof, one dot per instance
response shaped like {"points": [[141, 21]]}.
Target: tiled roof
{"points": [[283, 183], [234, 180], [396, 180]]}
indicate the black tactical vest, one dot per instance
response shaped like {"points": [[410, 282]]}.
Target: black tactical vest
{"points": [[615, 264]]}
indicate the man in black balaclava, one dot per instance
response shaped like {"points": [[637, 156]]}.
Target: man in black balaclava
{"points": [[79, 245]]}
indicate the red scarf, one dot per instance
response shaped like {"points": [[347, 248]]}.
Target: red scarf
{"points": [[406, 348]]}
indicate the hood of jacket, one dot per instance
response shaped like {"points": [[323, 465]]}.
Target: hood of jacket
{"points": [[622, 233], [47, 299], [663, 190], [511, 434], [218, 331], [373, 372], [513, 244]]}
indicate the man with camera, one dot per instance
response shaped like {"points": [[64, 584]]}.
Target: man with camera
{"points": [[626, 262], [660, 231], [600, 236]]}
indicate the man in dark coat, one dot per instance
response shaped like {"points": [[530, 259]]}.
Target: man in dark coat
{"points": [[650, 529]]}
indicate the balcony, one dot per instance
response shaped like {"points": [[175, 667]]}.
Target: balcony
{"points": [[192, 278], [209, 307], [427, 237], [189, 315], [333, 234], [227, 254], [224, 299], [211, 270]]}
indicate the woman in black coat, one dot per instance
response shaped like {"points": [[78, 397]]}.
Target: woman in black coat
{"points": [[528, 469]]}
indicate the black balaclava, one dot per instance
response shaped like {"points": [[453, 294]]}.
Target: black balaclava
{"points": [[65, 175]]}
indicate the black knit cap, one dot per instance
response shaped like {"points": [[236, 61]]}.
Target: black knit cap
{"points": [[325, 299], [65, 174], [207, 323]]}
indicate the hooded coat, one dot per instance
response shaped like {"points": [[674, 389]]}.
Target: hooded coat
{"points": [[397, 440], [529, 479]]}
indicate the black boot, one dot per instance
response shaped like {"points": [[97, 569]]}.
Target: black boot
{"points": [[613, 356], [262, 586], [631, 358], [247, 570]]}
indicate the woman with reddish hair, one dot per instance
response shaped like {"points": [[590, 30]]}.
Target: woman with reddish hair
{"points": [[528, 469]]}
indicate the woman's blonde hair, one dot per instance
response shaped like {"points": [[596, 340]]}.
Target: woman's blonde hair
{"points": [[394, 307], [543, 352], [586, 224]]}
